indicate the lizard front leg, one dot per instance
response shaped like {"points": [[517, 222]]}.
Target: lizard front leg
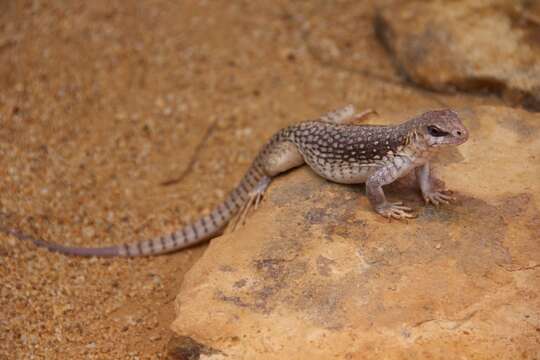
{"points": [[383, 176], [425, 181]]}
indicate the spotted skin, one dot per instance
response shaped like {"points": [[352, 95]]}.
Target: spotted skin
{"points": [[335, 149], [345, 153]]}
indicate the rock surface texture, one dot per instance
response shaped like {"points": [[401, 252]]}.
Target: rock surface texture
{"points": [[317, 274], [491, 45]]}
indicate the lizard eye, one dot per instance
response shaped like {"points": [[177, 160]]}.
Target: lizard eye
{"points": [[435, 131]]}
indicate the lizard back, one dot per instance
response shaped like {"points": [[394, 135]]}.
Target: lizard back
{"points": [[346, 153]]}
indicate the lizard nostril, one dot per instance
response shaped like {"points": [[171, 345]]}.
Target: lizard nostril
{"points": [[459, 133]]}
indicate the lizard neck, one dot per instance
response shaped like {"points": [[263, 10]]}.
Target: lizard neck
{"points": [[415, 147]]}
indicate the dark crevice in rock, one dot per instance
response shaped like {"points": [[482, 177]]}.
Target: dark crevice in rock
{"points": [[529, 101], [185, 348], [480, 85], [519, 268]]}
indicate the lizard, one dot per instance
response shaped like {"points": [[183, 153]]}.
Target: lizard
{"points": [[336, 148]]}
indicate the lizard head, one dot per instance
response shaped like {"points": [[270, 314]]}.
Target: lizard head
{"points": [[441, 128]]}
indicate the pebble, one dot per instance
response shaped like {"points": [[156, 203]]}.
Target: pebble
{"points": [[88, 232]]}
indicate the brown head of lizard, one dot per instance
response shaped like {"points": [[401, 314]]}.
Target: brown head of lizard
{"points": [[437, 128]]}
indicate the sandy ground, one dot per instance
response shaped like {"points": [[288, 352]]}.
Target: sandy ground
{"points": [[102, 106]]}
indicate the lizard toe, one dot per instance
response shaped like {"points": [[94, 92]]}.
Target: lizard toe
{"points": [[437, 198], [396, 211]]}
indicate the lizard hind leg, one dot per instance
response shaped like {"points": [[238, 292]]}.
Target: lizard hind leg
{"points": [[252, 203], [347, 115], [278, 156], [339, 116], [361, 116]]}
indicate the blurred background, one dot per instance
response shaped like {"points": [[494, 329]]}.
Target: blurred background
{"points": [[121, 120]]}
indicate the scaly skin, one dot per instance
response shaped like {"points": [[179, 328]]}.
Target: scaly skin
{"points": [[335, 149]]}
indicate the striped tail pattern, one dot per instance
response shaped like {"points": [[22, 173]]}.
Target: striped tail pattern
{"points": [[281, 153], [202, 229]]}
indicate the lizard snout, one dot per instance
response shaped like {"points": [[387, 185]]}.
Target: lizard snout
{"points": [[461, 134]]}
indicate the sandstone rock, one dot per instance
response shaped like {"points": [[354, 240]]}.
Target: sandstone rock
{"points": [[342, 37], [315, 274], [491, 45]]}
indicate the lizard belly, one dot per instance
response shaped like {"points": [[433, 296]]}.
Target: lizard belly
{"points": [[343, 173]]}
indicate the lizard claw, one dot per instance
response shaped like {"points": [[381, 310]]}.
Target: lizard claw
{"points": [[439, 197], [395, 211]]}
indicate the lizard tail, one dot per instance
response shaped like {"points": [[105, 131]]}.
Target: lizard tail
{"points": [[198, 231], [259, 174]]}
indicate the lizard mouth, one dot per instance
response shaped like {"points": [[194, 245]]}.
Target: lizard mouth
{"points": [[461, 140], [453, 142]]}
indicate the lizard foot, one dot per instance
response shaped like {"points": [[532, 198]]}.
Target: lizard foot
{"points": [[254, 199], [395, 211], [439, 197]]}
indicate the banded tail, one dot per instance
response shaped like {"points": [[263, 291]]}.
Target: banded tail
{"points": [[198, 231], [280, 154]]}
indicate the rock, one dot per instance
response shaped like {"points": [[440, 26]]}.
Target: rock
{"points": [[88, 232], [342, 37], [491, 45], [317, 274]]}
